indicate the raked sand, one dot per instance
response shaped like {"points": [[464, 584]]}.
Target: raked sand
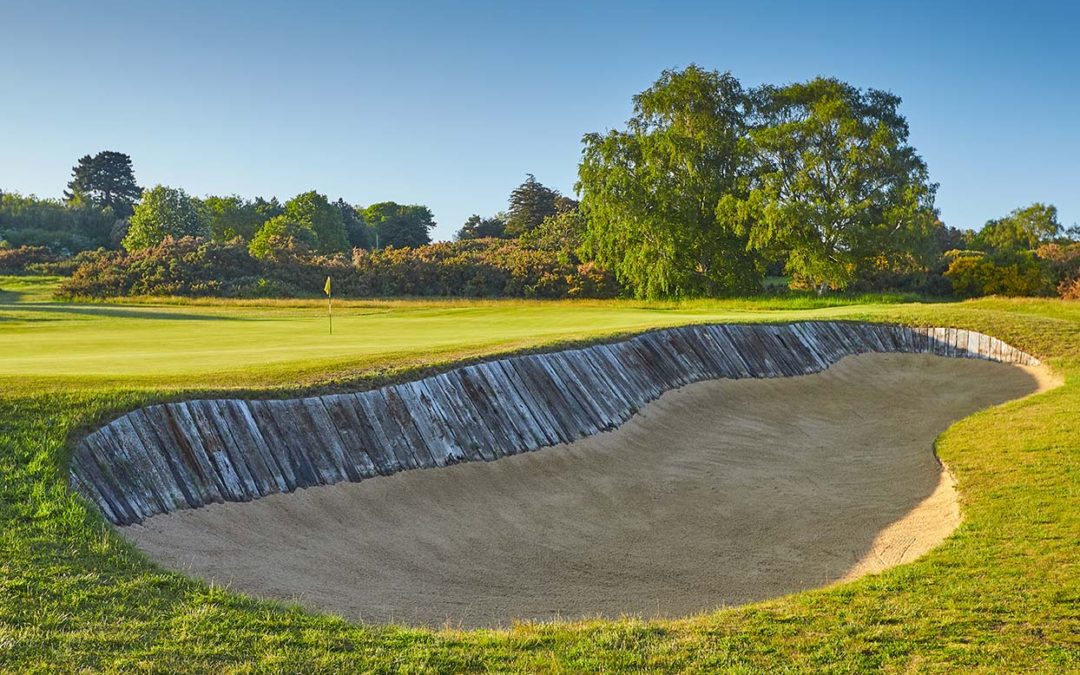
{"points": [[716, 494]]}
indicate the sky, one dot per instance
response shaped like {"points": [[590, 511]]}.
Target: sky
{"points": [[451, 104]]}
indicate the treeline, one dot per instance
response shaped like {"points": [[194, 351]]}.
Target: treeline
{"points": [[103, 207], [709, 189]]}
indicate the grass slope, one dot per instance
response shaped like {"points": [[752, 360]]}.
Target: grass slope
{"points": [[1001, 594]]}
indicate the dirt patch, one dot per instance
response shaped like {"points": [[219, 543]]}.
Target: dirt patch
{"points": [[719, 493]]}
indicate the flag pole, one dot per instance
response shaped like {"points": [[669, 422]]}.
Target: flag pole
{"points": [[329, 304]]}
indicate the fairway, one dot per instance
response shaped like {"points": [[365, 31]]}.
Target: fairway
{"points": [[999, 593]]}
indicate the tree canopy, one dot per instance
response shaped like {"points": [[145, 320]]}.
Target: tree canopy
{"points": [[356, 229], [1024, 229], [62, 228], [308, 223], [165, 212], [232, 217], [399, 225], [106, 180], [833, 181], [650, 192], [482, 228]]}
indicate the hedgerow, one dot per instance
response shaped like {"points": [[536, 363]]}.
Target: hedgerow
{"points": [[192, 266]]}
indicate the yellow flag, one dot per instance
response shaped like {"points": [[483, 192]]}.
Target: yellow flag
{"points": [[326, 288]]}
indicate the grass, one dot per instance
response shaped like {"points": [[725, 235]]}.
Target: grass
{"points": [[1002, 594]]}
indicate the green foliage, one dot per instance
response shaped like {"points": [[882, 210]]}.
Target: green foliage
{"points": [[1022, 230], [483, 228], [165, 212], [650, 192], [1020, 254], [29, 221], [282, 236], [104, 180], [530, 203], [356, 229], [233, 216], [308, 224], [833, 182], [975, 273], [563, 232], [313, 211], [399, 225]]}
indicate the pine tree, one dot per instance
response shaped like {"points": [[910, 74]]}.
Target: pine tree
{"points": [[106, 180], [530, 204]]}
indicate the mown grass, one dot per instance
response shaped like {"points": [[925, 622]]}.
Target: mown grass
{"points": [[1002, 594]]}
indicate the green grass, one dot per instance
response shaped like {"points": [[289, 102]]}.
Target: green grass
{"points": [[1002, 594]]}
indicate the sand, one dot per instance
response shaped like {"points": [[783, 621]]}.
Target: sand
{"points": [[717, 494]]}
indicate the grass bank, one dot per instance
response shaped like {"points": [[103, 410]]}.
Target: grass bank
{"points": [[1001, 594]]}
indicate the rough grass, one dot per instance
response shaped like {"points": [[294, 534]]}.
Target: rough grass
{"points": [[1002, 594]]}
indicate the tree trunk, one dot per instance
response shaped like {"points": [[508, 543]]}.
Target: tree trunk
{"points": [[822, 287]]}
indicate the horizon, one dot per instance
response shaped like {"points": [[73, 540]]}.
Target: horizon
{"points": [[452, 107]]}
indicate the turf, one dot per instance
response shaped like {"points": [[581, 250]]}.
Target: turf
{"points": [[1001, 594]]}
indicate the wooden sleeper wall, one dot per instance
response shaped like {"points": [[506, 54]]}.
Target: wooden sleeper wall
{"points": [[183, 455]]}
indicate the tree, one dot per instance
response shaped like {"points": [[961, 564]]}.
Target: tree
{"points": [[314, 211], [282, 235], [309, 223], [530, 203], [106, 180], [232, 217], [398, 225], [480, 228], [563, 232], [165, 212], [833, 183], [356, 229], [650, 192], [63, 229], [1022, 230]]}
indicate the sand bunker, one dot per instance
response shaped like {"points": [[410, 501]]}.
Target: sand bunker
{"points": [[719, 493]]}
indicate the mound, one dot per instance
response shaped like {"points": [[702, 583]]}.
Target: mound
{"points": [[719, 492]]}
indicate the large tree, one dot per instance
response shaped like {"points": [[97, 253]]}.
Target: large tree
{"points": [[105, 180], [834, 182], [399, 225], [650, 192], [165, 212]]}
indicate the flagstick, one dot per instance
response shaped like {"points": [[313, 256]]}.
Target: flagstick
{"points": [[330, 311]]}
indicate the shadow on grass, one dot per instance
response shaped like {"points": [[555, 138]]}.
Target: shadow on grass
{"points": [[110, 312]]}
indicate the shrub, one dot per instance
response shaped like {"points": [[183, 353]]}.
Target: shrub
{"points": [[474, 268], [974, 273], [18, 260], [1063, 263]]}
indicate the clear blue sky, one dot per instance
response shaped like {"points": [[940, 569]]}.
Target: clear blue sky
{"points": [[450, 104]]}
